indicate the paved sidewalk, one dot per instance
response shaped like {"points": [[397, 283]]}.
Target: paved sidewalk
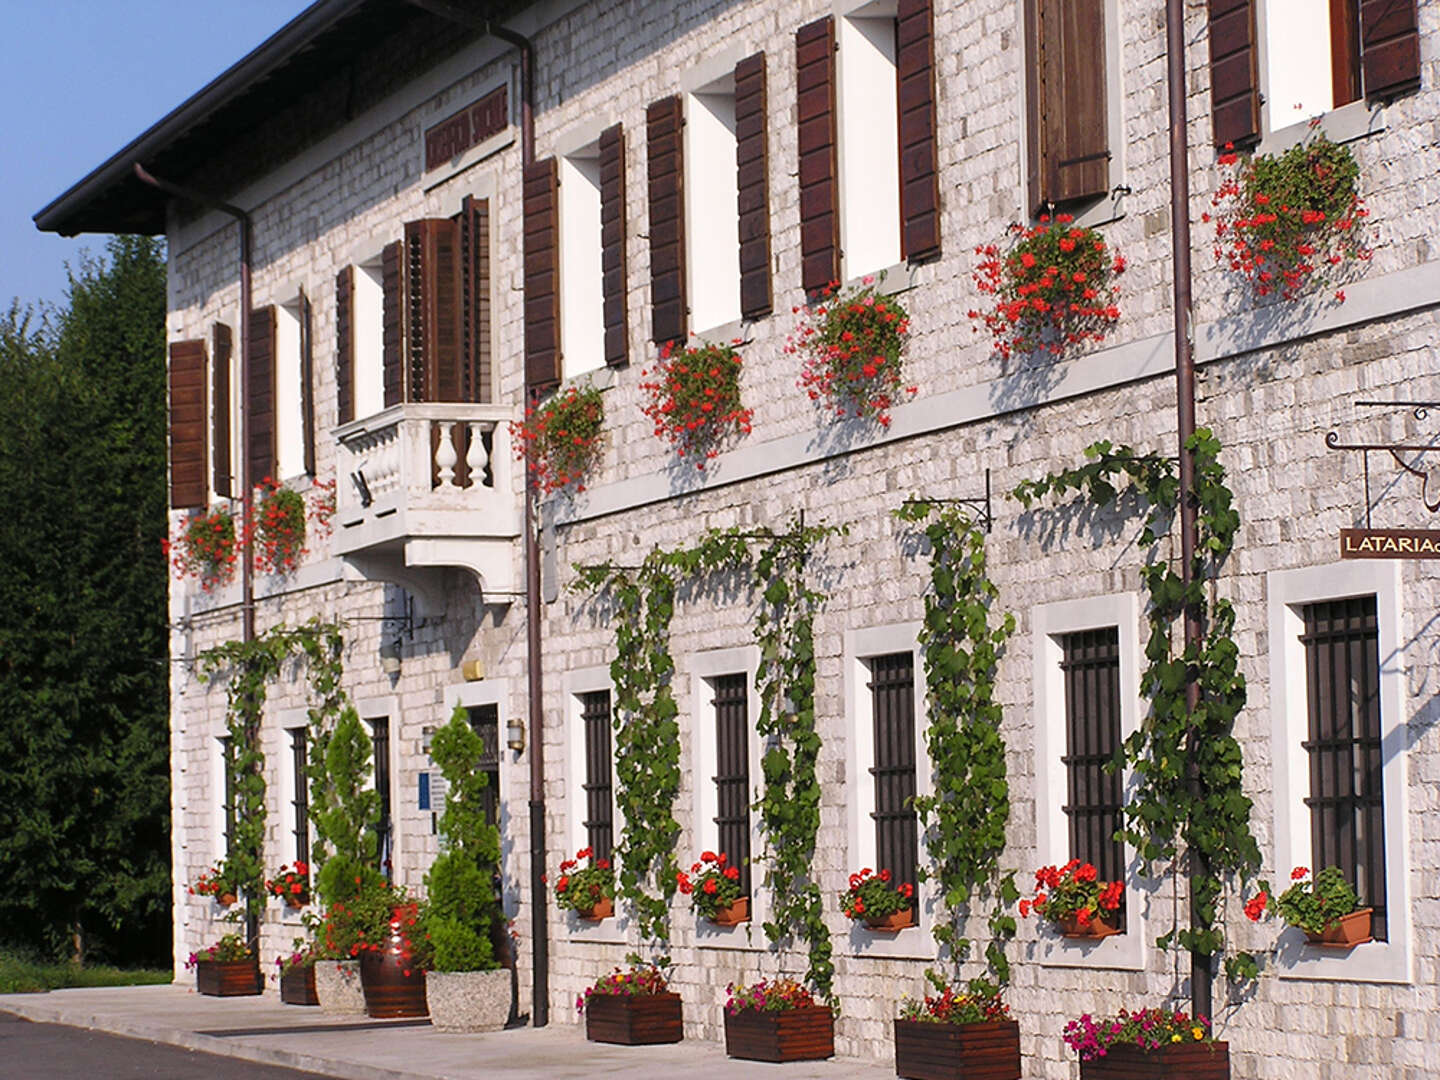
{"points": [[261, 1029]]}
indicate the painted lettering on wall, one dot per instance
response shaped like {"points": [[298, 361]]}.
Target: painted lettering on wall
{"points": [[472, 125]]}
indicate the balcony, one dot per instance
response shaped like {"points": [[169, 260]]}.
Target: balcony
{"points": [[421, 487]]}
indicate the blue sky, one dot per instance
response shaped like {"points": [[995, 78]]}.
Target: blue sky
{"points": [[80, 79]]}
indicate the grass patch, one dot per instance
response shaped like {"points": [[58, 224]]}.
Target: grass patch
{"points": [[21, 976]]}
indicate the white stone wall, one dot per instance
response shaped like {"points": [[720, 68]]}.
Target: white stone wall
{"points": [[1270, 388]]}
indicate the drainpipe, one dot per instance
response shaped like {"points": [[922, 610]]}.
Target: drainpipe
{"points": [[242, 473], [1201, 964], [534, 654]]}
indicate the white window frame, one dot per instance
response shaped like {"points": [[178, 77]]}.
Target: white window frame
{"points": [[712, 209], [705, 834], [868, 139], [582, 275], [495, 692], [1288, 591], [387, 707], [575, 683], [860, 647], [289, 394], [1049, 623]]}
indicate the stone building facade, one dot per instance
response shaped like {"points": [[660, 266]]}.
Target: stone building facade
{"points": [[330, 187]]}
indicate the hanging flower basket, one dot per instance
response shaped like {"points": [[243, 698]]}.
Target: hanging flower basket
{"points": [[852, 345], [279, 528], [694, 399], [1056, 287], [205, 549], [561, 439]]}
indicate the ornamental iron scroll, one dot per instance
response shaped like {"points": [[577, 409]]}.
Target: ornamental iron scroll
{"points": [[1420, 410]]}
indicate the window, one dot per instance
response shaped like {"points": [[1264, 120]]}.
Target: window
{"points": [[369, 337], [1313, 57], [869, 140], [582, 315], [712, 221], [300, 803], [1347, 789], [599, 793], [485, 722], [289, 396], [731, 703], [892, 698], [227, 798], [384, 838]]}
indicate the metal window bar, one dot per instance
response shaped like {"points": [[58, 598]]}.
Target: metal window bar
{"points": [[1090, 667], [892, 694], [732, 771], [599, 788], [227, 803], [485, 722], [299, 755], [384, 840], [1346, 801]]}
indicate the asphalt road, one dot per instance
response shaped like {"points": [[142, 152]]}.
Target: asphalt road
{"points": [[30, 1051]]}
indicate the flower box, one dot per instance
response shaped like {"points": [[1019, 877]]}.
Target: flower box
{"points": [[1183, 1061], [803, 1034], [634, 1019], [603, 909], [732, 914], [297, 986], [1345, 932], [228, 978], [925, 1050], [1099, 927], [896, 920]]}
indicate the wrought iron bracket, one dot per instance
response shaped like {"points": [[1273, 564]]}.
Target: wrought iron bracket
{"points": [[980, 505], [1332, 440]]}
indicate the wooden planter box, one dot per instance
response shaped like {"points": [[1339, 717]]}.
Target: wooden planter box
{"points": [[634, 1019], [1345, 932], [793, 1035], [297, 986], [1182, 1061], [228, 978], [931, 1051]]}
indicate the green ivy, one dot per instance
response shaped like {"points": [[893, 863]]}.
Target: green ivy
{"points": [[966, 817], [1211, 816]]}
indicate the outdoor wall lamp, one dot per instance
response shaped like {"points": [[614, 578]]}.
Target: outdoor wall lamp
{"points": [[515, 734], [390, 655]]}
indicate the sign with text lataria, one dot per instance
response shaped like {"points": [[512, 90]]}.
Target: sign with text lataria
{"points": [[1390, 543]]}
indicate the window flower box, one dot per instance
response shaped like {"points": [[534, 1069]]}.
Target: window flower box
{"points": [[601, 910], [1179, 1061], [1345, 932], [732, 914], [932, 1050], [895, 921]]}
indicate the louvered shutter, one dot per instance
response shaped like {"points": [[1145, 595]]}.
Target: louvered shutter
{"points": [[1069, 152], [665, 172], [187, 424], [223, 349], [475, 302], [433, 289], [307, 383], [752, 161], [345, 345], [542, 274], [919, 170], [1234, 76], [612, 245], [1389, 47], [260, 397], [392, 333], [815, 113]]}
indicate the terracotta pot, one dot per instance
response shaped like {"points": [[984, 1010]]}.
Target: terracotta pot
{"points": [[226, 899], [297, 986], [733, 913], [337, 985], [1099, 927], [228, 978], [294, 901], [393, 985], [930, 1051], [1345, 932], [806, 1034], [634, 1019], [896, 920], [603, 909], [1182, 1061]]}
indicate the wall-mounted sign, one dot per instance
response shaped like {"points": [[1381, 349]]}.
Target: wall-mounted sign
{"points": [[1390, 543], [469, 127]]}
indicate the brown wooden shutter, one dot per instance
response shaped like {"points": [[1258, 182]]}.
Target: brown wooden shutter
{"points": [[307, 383], [919, 169], [1069, 150], [815, 114], [665, 172], [752, 161], [260, 397], [433, 289], [1234, 76], [612, 244], [187, 424], [542, 274], [1389, 47], [392, 334], [475, 304], [222, 480], [345, 345]]}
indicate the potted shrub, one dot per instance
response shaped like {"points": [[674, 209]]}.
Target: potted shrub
{"points": [[229, 968], [215, 883], [587, 890], [715, 890], [297, 975], [206, 549], [880, 904], [955, 1036], [633, 1007], [1325, 907], [694, 398], [561, 439], [1151, 1042], [466, 988], [291, 884], [1076, 901], [777, 1020], [852, 345], [349, 924]]}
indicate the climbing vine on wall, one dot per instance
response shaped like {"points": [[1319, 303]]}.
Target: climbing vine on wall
{"points": [[1211, 816], [966, 816]]}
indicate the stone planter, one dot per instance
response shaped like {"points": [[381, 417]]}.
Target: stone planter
{"points": [[931, 1051], [1345, 932], [297, 986], [337, 985], [733, 913], [468, 1001], [896, 920], [634, 1019], [228, 978], [806, 1034], [1182, 1061]]}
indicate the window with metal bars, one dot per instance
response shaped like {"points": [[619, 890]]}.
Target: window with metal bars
{"points": [[732, 771], [892, 696], [1090, 667], [1347, 799], [485, 722], [227, 803], [384, 838], [299, 752], [599, 793]]}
